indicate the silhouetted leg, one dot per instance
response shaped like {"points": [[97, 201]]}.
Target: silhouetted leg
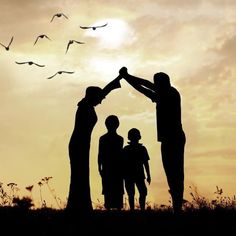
{"points": [[142, 193], [79, 199], [120, 201], [107, 199], [131, 202], [130, 188], [180, 173], [173, 162], [73, 190], [117, 200], [142, 201]]}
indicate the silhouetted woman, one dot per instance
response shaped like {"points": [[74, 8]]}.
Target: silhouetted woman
{"points": [[79, 199]]}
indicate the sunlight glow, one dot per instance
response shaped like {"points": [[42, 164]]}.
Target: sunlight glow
{"points": [[116, 33], [109, 68]]}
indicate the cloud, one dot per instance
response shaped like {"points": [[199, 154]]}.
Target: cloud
{"points": [[227, 49], [146, 117], [7, 83], [224, 153]]}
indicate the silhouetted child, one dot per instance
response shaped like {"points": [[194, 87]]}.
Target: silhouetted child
{"points": [[135, 161], [110, 164]]}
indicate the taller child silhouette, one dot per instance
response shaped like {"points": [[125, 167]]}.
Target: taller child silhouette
{"points": [[169, 128], [110, 164], [79, 199]]}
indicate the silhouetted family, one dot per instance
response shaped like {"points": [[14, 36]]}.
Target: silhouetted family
{"points": [[123, 168]]}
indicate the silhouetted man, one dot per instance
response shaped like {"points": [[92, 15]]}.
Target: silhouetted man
{"points": [[110, 164], [169, 128], [79, 199], [136, 159]]}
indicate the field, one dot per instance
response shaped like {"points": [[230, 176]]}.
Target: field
{"points": [[19, 216], [17, 221]]}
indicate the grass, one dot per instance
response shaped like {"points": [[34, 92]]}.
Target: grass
{"points": [[201, 216], [161, 222]]}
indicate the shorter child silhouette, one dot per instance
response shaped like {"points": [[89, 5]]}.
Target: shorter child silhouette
{"points": [[135, 161]]}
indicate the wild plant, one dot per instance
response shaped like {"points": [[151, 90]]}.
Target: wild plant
{"points": [[198, 201], [5, 199], [223, 202], [45, 180]]}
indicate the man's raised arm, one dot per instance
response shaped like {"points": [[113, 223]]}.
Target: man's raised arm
{"points": [[143, 86]]}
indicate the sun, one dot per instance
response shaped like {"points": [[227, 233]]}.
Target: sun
{"points": [[114, 35]]}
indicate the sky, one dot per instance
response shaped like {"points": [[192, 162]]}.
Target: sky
{"points": [[193, 41]]}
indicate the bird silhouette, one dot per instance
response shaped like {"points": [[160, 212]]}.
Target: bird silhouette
{"points": [[60, 72], [29, 63], [8, 46], [41, 36], [59, 15], [72, 41], [93, 27]]}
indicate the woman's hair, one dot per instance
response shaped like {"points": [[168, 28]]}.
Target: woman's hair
{"points": [[94, 95], [93, 91]]}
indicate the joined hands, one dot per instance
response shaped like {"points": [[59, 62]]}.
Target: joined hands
{"points": [[123, 71]]}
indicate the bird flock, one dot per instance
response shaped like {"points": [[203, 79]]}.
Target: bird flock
{"points": [[44, 36]]}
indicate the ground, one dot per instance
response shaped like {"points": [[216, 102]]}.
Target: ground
{"points": [[15, 221]]}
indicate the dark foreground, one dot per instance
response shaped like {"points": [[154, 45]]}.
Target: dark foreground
{"points": [[153, 222]]}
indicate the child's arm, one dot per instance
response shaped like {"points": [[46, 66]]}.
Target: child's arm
{"points": [[146, 166]]}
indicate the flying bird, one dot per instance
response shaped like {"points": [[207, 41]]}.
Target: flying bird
{"points": [[41, 36], [29, 63], [59, 15], [8, 46], [60, 72], [72, 41], [93, 27]]}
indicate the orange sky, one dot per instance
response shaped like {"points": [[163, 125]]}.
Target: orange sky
{"points": [[192, 41]]}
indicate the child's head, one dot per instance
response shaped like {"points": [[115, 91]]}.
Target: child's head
{"points": [[134, 135], [112, 123]]}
